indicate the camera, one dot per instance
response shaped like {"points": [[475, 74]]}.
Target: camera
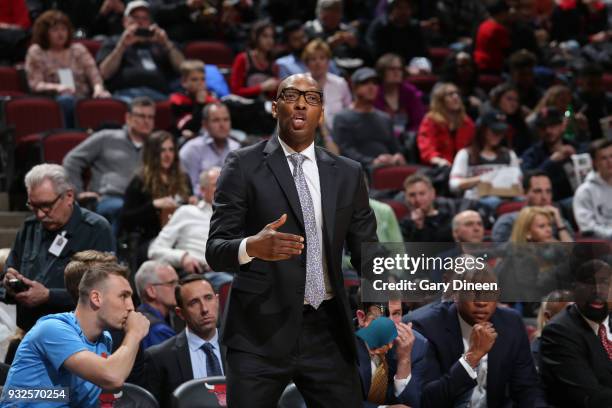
{"points": [[17, 285], [143, 32]]}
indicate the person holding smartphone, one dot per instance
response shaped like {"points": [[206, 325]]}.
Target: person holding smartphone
{"points": [[143, 60]]}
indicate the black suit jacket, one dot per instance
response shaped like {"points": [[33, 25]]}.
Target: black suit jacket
{"points": [[511, 374], [264, 312], [575, 368], [168, 365]]}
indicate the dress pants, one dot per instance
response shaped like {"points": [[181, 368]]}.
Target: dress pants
{"points": [[320, 365]]}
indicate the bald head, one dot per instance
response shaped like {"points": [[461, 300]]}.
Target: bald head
{"points": [[290, 81], [467, 227]]}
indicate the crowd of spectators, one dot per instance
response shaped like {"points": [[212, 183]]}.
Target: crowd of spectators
{"points": [[498, 111]]}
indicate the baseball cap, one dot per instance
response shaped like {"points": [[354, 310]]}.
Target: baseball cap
{"points": [[379, 333], [363, 74], [494, 120], [548, 117], [133, 5]]}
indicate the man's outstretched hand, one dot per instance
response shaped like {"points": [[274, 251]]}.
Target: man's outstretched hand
{"points": [[271, 245]]}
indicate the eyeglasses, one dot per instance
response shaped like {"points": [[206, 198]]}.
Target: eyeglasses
{"points": [[452, 93], [172, 283], [291, 95], [143, 116], [44, 207]]}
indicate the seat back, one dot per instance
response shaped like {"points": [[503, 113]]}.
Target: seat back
{"points": [[31, 115], [95, 113], [10, 82], [210, 52], [391, 177], [134, 396], [509, 207], [424, 82], [164, 119], [400, 209], [56, 145], [206, 392], [92, 45]]}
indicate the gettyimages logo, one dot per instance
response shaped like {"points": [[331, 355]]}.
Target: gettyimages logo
{"points": [[404, 263]]}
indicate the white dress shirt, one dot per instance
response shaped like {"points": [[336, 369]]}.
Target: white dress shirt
{"points": [[186, 232], [479, 393], [595, 326], [198, 356], [311, 173]]}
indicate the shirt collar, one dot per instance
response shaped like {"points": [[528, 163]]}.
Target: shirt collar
{"points": [[208, 140], [309, 152], [73, 221], [594, 325], [195, 342], [466, 329]]}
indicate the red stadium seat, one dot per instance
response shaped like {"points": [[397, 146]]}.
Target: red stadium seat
{"points": [[509, 207], [57, 144], [10, 82], [31, 116], [93, 46], [94, 113], [210, 52], [399, 209], [391, 177], [438, 55], [164, 119], [224, 291], [424, 82], [488, 82], [607, 82]]}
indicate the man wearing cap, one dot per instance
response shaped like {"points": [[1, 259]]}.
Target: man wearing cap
{"points": [[391, 359], [552, 153], [142, 61], [487, 154], [364, 133]]}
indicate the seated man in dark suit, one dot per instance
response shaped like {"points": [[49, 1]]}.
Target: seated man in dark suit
{"points": [[478, 353], [193, 353], [576, 345], [403, 351]]}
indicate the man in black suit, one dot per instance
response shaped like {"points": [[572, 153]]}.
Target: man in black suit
{"points": [[478, 354], [194, 352], [280, 222], [576, 368]]}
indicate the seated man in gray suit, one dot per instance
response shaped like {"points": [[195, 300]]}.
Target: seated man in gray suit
{"points": [[193, 353]]}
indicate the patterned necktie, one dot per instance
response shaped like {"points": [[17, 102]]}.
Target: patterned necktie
{"points": [[213, 368], [603, 336], [315, 285], [380, 382]]}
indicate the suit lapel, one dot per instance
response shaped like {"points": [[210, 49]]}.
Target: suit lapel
{"points": [[365, 366], [183, 356], [454, 331], [592, 339], [327, 179], [276, 160]]}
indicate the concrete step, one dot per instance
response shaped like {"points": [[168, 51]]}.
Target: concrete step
{"points": [[7, 236], [12, 219]]}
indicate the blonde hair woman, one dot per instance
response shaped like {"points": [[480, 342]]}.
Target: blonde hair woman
{"points": [[534, 224], [446, 128]]}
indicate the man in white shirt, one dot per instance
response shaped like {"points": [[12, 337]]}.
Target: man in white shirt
{"points": [[182, 242], [480, 354], [193, 353]]}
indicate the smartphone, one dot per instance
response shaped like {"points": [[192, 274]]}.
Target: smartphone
{"points": [[143, 32], [17, 285]]}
